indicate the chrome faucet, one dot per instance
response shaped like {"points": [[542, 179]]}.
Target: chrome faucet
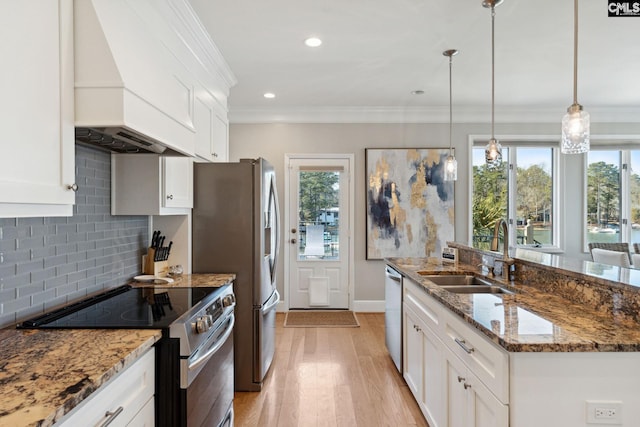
{"points": [[506, 261]]}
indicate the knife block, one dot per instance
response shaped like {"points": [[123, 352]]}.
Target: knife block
{"points": [[156, 268]]}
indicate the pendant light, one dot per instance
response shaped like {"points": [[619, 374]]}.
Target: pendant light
{"points": [[451, 164], [493, 150], [575, 124]]}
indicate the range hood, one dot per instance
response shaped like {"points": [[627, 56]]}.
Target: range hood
{"points": [[133, 86]]}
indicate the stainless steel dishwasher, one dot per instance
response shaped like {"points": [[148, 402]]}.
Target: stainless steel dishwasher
{"points": [[393, 314]]}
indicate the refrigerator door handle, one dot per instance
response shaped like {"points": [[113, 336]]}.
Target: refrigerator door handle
{"points": [[277, 227], [270, 306]]}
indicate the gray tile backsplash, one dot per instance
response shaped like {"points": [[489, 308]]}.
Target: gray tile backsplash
{"points": [[47, 262]]}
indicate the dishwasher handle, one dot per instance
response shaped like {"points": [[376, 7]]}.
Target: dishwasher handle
{"points": [[392, 274]]}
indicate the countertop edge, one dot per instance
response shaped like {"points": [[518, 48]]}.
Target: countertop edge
{"points": [[579, 345]]}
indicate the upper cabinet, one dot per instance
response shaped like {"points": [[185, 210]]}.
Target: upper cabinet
{"points": [[149, 184], [212, 127], [37, 177]]}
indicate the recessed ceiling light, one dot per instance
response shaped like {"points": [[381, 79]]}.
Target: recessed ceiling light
{"points": [[313, 42], [269, 95], [417, 92]]}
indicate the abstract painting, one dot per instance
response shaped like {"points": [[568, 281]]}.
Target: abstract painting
{"points": [[410, 207]]}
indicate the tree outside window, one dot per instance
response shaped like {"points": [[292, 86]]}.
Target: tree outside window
{"points": [[530, 183]]}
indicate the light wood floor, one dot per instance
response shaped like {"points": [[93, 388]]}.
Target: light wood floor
{"points": [[330, 377]]}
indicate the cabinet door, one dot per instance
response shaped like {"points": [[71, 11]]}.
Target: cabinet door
{"points": [[484, 408], [36, 106], [433, 402], [203, 115], [413, 360], [456, 394], [220, 138], [177, 182], [211, 125], [469, 401]]}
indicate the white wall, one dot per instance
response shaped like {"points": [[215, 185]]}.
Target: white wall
{"points": [[272, 141]]}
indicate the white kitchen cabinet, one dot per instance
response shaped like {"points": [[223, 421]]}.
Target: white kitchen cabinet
{"points": [[423, 366], [36, 109], [413, 354], [469, 402], [150, 184], [212, 127], [450, 368], [126, 400]]}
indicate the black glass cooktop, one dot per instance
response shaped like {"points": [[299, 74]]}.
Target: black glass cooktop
{"points": [[124, 307]]}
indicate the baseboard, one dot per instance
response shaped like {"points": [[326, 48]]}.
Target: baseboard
{"points": [[362, 306], [368, 306]]}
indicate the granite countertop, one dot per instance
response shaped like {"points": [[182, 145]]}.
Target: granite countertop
{"points": [[530, 320], [46, 373], [196, 280]]}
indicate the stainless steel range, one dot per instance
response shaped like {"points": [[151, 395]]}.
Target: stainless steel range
{"points": [[194, 358]]}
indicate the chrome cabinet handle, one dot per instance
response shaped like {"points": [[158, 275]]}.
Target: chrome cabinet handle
{"points": [[170, 196], [112, 416], [73, 187], [463, 344], [215, 155]]}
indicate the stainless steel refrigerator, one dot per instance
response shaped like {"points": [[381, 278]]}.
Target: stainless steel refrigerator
{"points": [[236, 230]]}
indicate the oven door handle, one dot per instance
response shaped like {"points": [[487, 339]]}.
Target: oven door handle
{"points": [[215, 347]]}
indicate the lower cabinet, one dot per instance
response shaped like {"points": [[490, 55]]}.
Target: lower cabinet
{"points": [[469, 401], [447, 389], [423, 367], [126, 400]]}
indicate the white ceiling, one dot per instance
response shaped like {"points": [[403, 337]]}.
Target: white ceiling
{"points": [[375, 52]]}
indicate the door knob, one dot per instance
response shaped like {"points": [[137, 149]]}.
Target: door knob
{"points": [[293, 240]]}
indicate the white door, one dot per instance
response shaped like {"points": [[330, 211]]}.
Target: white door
{"points": [[317, 232]]}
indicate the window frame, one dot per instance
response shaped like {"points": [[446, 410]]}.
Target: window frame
{"points": [[624, 145], [524, 141]]}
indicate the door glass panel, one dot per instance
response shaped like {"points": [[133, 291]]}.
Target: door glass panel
{"points": [[319, 215]]}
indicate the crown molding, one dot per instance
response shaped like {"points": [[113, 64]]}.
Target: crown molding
{"points": [[423, 115]]}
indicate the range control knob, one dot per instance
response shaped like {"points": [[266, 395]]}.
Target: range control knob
{"points": [[203, 323], [228, 300]]}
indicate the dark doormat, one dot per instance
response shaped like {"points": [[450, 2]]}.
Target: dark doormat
{"points": [[321, 319]]}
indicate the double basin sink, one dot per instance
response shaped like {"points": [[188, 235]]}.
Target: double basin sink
{"points": [[465, 284]]}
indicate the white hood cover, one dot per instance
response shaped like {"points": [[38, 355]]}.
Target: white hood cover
{"points": [[134, 72]]}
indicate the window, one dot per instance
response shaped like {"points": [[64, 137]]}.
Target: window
{"points": [[522, 190], [613, 195]]}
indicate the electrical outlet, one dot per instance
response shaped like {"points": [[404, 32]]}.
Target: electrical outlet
{"points": [[604, 412]]}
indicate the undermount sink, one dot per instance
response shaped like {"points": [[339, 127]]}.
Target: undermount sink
{"points": [[456, 279], [465, 284], [478, 289]]}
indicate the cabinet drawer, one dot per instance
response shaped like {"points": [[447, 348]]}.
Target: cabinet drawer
{"points": [[132, 390], [488, 362], [429, 310]]}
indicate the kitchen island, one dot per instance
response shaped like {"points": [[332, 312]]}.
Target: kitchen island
{"points": [[561, 347]]}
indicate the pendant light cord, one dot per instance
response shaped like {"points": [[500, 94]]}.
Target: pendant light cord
{"points": [[493, 90], [450, 104], [575, 52]]}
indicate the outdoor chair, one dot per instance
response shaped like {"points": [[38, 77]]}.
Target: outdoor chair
{"points": [[616, 247]]}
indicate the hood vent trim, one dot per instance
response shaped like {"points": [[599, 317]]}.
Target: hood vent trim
{"points": [[118, 140]]}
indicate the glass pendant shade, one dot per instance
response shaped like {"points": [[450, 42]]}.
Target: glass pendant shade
{"points": [[575, 131], [493, 153], [451, 169]]}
